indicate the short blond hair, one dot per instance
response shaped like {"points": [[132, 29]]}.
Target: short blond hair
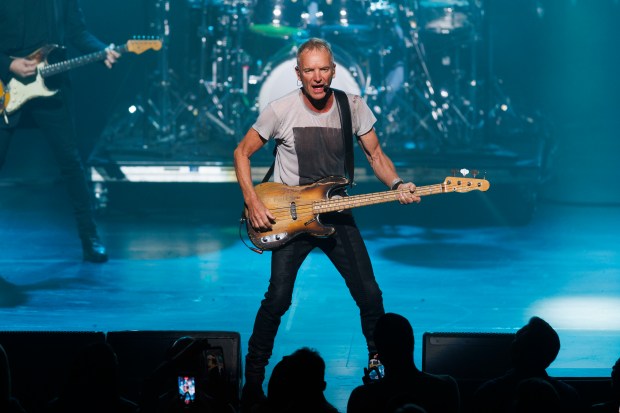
{"points": [[315, 44]]}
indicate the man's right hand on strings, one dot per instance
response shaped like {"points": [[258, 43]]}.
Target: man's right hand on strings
{"points": [[260, 217], [23, 67]]}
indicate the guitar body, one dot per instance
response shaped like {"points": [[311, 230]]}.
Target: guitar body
{"points": [[292, 206], [33, 87], [27, 89]]}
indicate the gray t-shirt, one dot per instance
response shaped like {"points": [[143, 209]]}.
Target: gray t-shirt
{"points": [[309, 144]]}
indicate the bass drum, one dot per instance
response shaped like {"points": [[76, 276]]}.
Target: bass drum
{"points": [[279, 77]]}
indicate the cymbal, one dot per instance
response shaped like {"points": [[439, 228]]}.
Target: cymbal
{"points": [[447, 23], [345, 29], [272, 30], [444, 3]]}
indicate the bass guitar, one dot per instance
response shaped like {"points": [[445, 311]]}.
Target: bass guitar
{"points": [[297, 209], [19, 91]]}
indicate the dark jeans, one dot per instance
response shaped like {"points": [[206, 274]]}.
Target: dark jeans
{"points": [[347, 251], [52, 116]]}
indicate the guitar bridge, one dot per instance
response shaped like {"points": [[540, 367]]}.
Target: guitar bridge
{"points": [[293, 211]]}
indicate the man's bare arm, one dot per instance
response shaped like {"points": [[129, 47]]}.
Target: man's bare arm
{"points": [[259, 216], [384, 169]]}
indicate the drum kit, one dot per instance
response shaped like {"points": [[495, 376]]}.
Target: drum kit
{"points": [[411, 60]]}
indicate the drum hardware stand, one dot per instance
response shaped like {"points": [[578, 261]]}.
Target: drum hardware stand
{"points": [[224, 89], [425, 92], [442, 114], [387, 103], [463, 103], [495, 101], [237, 96], [153, 114], [162, 103], [204, 33]]}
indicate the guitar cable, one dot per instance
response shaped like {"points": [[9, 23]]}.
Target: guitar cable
{"points": [[243, 220]]}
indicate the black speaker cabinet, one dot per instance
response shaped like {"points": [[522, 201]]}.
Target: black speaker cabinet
{"points": [[469, 356], [40, 361]]}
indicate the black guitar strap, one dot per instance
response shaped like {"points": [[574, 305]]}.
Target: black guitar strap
{"points": [[270, 170], [347, 132]]}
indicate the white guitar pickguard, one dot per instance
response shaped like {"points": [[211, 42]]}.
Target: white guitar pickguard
{"points": [[23, 92]]}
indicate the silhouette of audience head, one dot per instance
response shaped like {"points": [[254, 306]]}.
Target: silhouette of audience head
{"points": [[409, 408], [96, 369], [615, 380], [297, 384], [92, 383], [187, 354], [394, 339], [402, 403], [404, 386], [8, 403], [612, 404], [5, 377], [527, 387], [195, 357], [184, 382], [536, 345], [536, 395], [304, 370]]}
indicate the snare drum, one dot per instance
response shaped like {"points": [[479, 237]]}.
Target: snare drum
{"points": [[279, 77]]}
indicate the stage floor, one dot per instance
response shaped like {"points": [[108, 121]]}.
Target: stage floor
{"points": [[184, 268]]}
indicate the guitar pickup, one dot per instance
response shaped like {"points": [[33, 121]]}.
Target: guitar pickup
{"points": [[268, 239], [293, 211]]}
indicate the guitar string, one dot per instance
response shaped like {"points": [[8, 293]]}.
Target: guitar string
{"points": [[366, 199]]}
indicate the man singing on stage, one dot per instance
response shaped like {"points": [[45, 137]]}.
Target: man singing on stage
{"points": [[307, 128]]}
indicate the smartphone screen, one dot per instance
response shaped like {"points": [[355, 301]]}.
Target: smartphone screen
{"points": [[377, 372], [187, 389], [375, 369]]}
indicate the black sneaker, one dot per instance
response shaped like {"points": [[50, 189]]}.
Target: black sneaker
{"points": [[93, 250]]}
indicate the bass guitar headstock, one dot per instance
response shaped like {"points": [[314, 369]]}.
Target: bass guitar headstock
{"points": [[463, 183]]}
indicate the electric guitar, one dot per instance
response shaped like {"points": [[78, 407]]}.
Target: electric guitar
{"points": [[4, 97], [19, 91], [297, 209]]}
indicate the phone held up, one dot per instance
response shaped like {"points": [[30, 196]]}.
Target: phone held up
{"points": [[375, 368], [187, 389]]}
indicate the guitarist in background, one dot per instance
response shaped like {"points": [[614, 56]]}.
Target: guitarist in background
{"points": [[25, 26], [307, 128]]}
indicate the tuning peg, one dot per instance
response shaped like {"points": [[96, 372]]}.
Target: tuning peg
{"points": [[453, 172], [475, 172], [464, 171]]}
